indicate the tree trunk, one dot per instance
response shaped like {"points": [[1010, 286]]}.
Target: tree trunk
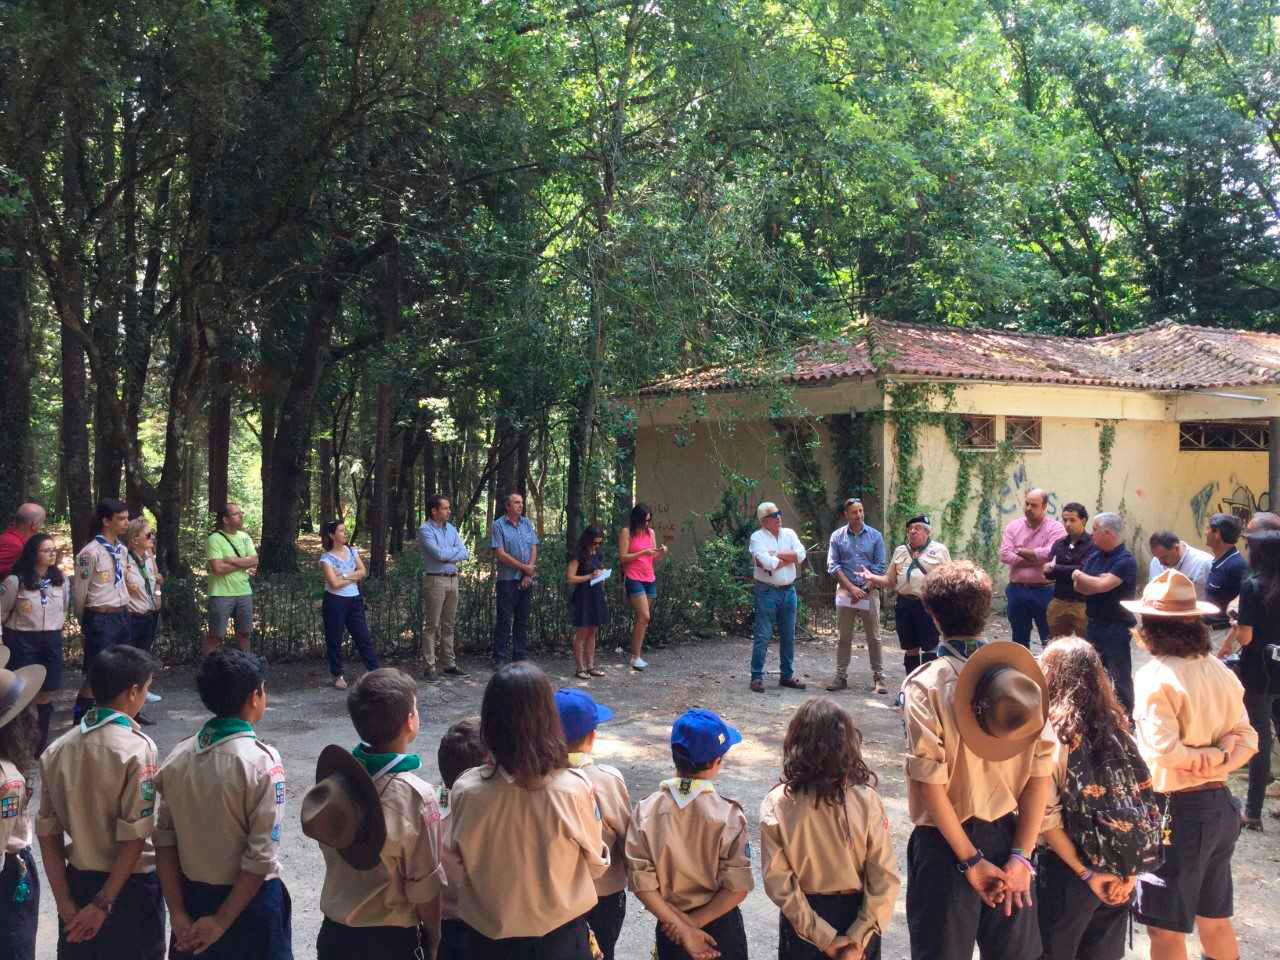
{"points": [[15, 390], [624, 477], [75, 432], [324, 466], [219, 432], [580, 430]]}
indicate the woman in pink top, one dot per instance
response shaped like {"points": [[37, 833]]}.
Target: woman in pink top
{"points": [[637, 548]]}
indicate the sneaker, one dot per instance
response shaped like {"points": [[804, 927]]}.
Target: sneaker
{"points": [[757, 685], [431, 675], [839, 683], [340, 683], [153, 697], [638, 664], [791, 682], [455, 671]]}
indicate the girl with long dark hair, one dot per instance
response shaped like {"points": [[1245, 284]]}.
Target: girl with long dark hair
{"points": [[826, 852], [34, 600], [637, 550], [590, 611], [343, 604], [524, 829]]}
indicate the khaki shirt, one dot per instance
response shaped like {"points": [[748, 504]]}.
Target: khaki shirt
{"points": [[99, 788], [95, 580], [909, 582], [410, 872], [144, 601], [615, 809], [688, 854], [223, 808], [812, 848], [452, 864], [15, 808], [527, 859], [22, 609], [1182, 707], [977, 788], [1053, 811]]}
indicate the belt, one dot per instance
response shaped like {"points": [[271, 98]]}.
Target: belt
{"points": [[774, 586], [107, 609], [432, 574], [1215, 785]]}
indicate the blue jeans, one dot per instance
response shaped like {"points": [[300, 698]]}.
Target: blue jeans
{"points": [[1028, 604], [774, 605], [346, 614], [1112, 641]]}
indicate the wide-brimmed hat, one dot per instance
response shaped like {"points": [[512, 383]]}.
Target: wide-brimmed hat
{"points": [[1001, 697], [343, 810], [17, 687], [1171, 594]]}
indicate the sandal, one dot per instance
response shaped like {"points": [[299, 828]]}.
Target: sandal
{"points": [[597, 672], [583, 675], [1251, 823]]}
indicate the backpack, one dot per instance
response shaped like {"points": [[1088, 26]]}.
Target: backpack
{"points": [[1110, 812]]}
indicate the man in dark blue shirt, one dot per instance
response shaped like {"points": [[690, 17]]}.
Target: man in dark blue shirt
{"points": [[1229, 567], [1108, 575]]}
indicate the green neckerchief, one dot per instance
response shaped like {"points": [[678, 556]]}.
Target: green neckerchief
{"points": [[442, 798], [222, 728], [684, 790], [146, 577], [580, 760], [96, 717], [382, 763]]}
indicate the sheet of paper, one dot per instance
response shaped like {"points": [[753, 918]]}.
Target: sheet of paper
{"points": [[845, 599], [601, 577]]}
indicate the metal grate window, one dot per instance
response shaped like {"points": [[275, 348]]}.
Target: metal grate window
{"points": [[1022, 433], [1229, 435], [979, 433]]}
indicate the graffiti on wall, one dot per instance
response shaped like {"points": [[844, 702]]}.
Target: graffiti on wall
{"points": [[1200, 503], [1018, 483], [1243, 504]]}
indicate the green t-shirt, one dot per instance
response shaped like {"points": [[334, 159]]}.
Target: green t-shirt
{"points": [[236, 583]]}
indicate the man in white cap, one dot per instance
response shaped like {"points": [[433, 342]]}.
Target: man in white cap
{"points": [[776, 555]]}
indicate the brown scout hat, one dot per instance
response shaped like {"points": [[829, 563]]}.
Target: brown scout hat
{"points": [[1001, 697], [343, 811], [17, 687]]}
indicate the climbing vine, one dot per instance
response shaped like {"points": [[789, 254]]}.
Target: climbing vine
{"points": [[993, 466], [801, 441], [1106, 440], [911, 410]]}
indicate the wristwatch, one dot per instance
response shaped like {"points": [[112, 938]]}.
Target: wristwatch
{"points": [[964, 866]]}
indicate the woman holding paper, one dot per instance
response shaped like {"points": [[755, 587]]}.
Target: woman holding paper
{"points": [[586, 574], [912, 562]]}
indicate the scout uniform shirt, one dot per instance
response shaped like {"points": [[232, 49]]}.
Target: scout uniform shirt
{"points": [[910, 576], [615, 810], [1183, 706], [528, 858], [222, 803], [452, 865], [979, 788], [34, 610], [98, 786], [142, 577], [808, 847], [410, 871], [100, 576], [15, 810], [686, 842]]}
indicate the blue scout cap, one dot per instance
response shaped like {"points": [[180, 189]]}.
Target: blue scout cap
{"points": [[702, 736], [579, 713]]}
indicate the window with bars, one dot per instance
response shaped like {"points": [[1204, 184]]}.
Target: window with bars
{"points": [[1022, 433], [1227, 435], [979, 432]]}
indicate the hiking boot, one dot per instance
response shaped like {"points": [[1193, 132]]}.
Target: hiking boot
{"points": [[453, 670], [757, 685], [839, 683], [791, 682]]}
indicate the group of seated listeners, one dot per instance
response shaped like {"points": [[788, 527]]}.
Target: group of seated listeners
{"points": [[1040, 823]]}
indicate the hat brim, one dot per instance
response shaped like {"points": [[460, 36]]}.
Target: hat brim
{"points": [[366, 850], [32, 680], [734, 736], [995, 654], [603, 714], [1202, 608], [5, 654]]}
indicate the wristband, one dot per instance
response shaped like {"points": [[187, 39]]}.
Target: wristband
{"points": [[1087, 875], [964, 866], [103, 904], [1019, 855]]}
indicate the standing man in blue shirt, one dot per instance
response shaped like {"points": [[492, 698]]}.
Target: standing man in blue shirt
{"points": [[1229, 568], [442, 551], [852, 547], [515, 546], [1106, 576]]}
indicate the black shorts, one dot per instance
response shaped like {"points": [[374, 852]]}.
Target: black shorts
{"points": [[567, 942], [454, 939], [263, 931], [337, 941], [916, 629], [103, 630], [729, 932], [43, 647], [605, 920], [1195, 878], [838, 909], [1074, 923], [946, 917]]}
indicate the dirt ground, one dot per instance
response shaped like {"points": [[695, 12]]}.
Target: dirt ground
{"points": [[305, 714]]}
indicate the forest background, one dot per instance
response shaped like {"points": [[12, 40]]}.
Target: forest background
{"points": [[328, 257]]}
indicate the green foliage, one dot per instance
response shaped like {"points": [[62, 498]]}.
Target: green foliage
{"points": [[801, 444], [984, 543], [912, 407], [1106, 440]]}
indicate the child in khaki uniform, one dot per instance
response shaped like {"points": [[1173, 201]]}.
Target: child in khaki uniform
{"points": [[825, 846], [460, 749], [218, 824], [97, 786], [688, 851], [579, 716], [383, 901], [19, 737]]}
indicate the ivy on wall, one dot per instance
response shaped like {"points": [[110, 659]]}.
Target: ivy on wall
{"points": [[1106, 440], [801, 441]]}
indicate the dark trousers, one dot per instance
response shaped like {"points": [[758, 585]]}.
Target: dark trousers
{"points": [[103, 630], [1028, 605], [729, 932], [346, 613], [605, 920], [511, 629], [18, 920], [142, 630], [263, 931], [1114, 646], [946, 917], [135, 928], [917, 633], [838, 909], [454, 938], [1259, 707], [1074, 923], [337, 941], [567, 942]]}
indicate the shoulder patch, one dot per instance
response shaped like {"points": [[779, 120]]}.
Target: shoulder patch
{"points": [[10, 806]]}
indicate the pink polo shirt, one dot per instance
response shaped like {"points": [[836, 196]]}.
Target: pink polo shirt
{"points": [[1020, 535]]}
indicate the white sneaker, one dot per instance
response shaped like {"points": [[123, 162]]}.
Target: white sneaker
{"points": [[638, 664], [153, 697]]}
